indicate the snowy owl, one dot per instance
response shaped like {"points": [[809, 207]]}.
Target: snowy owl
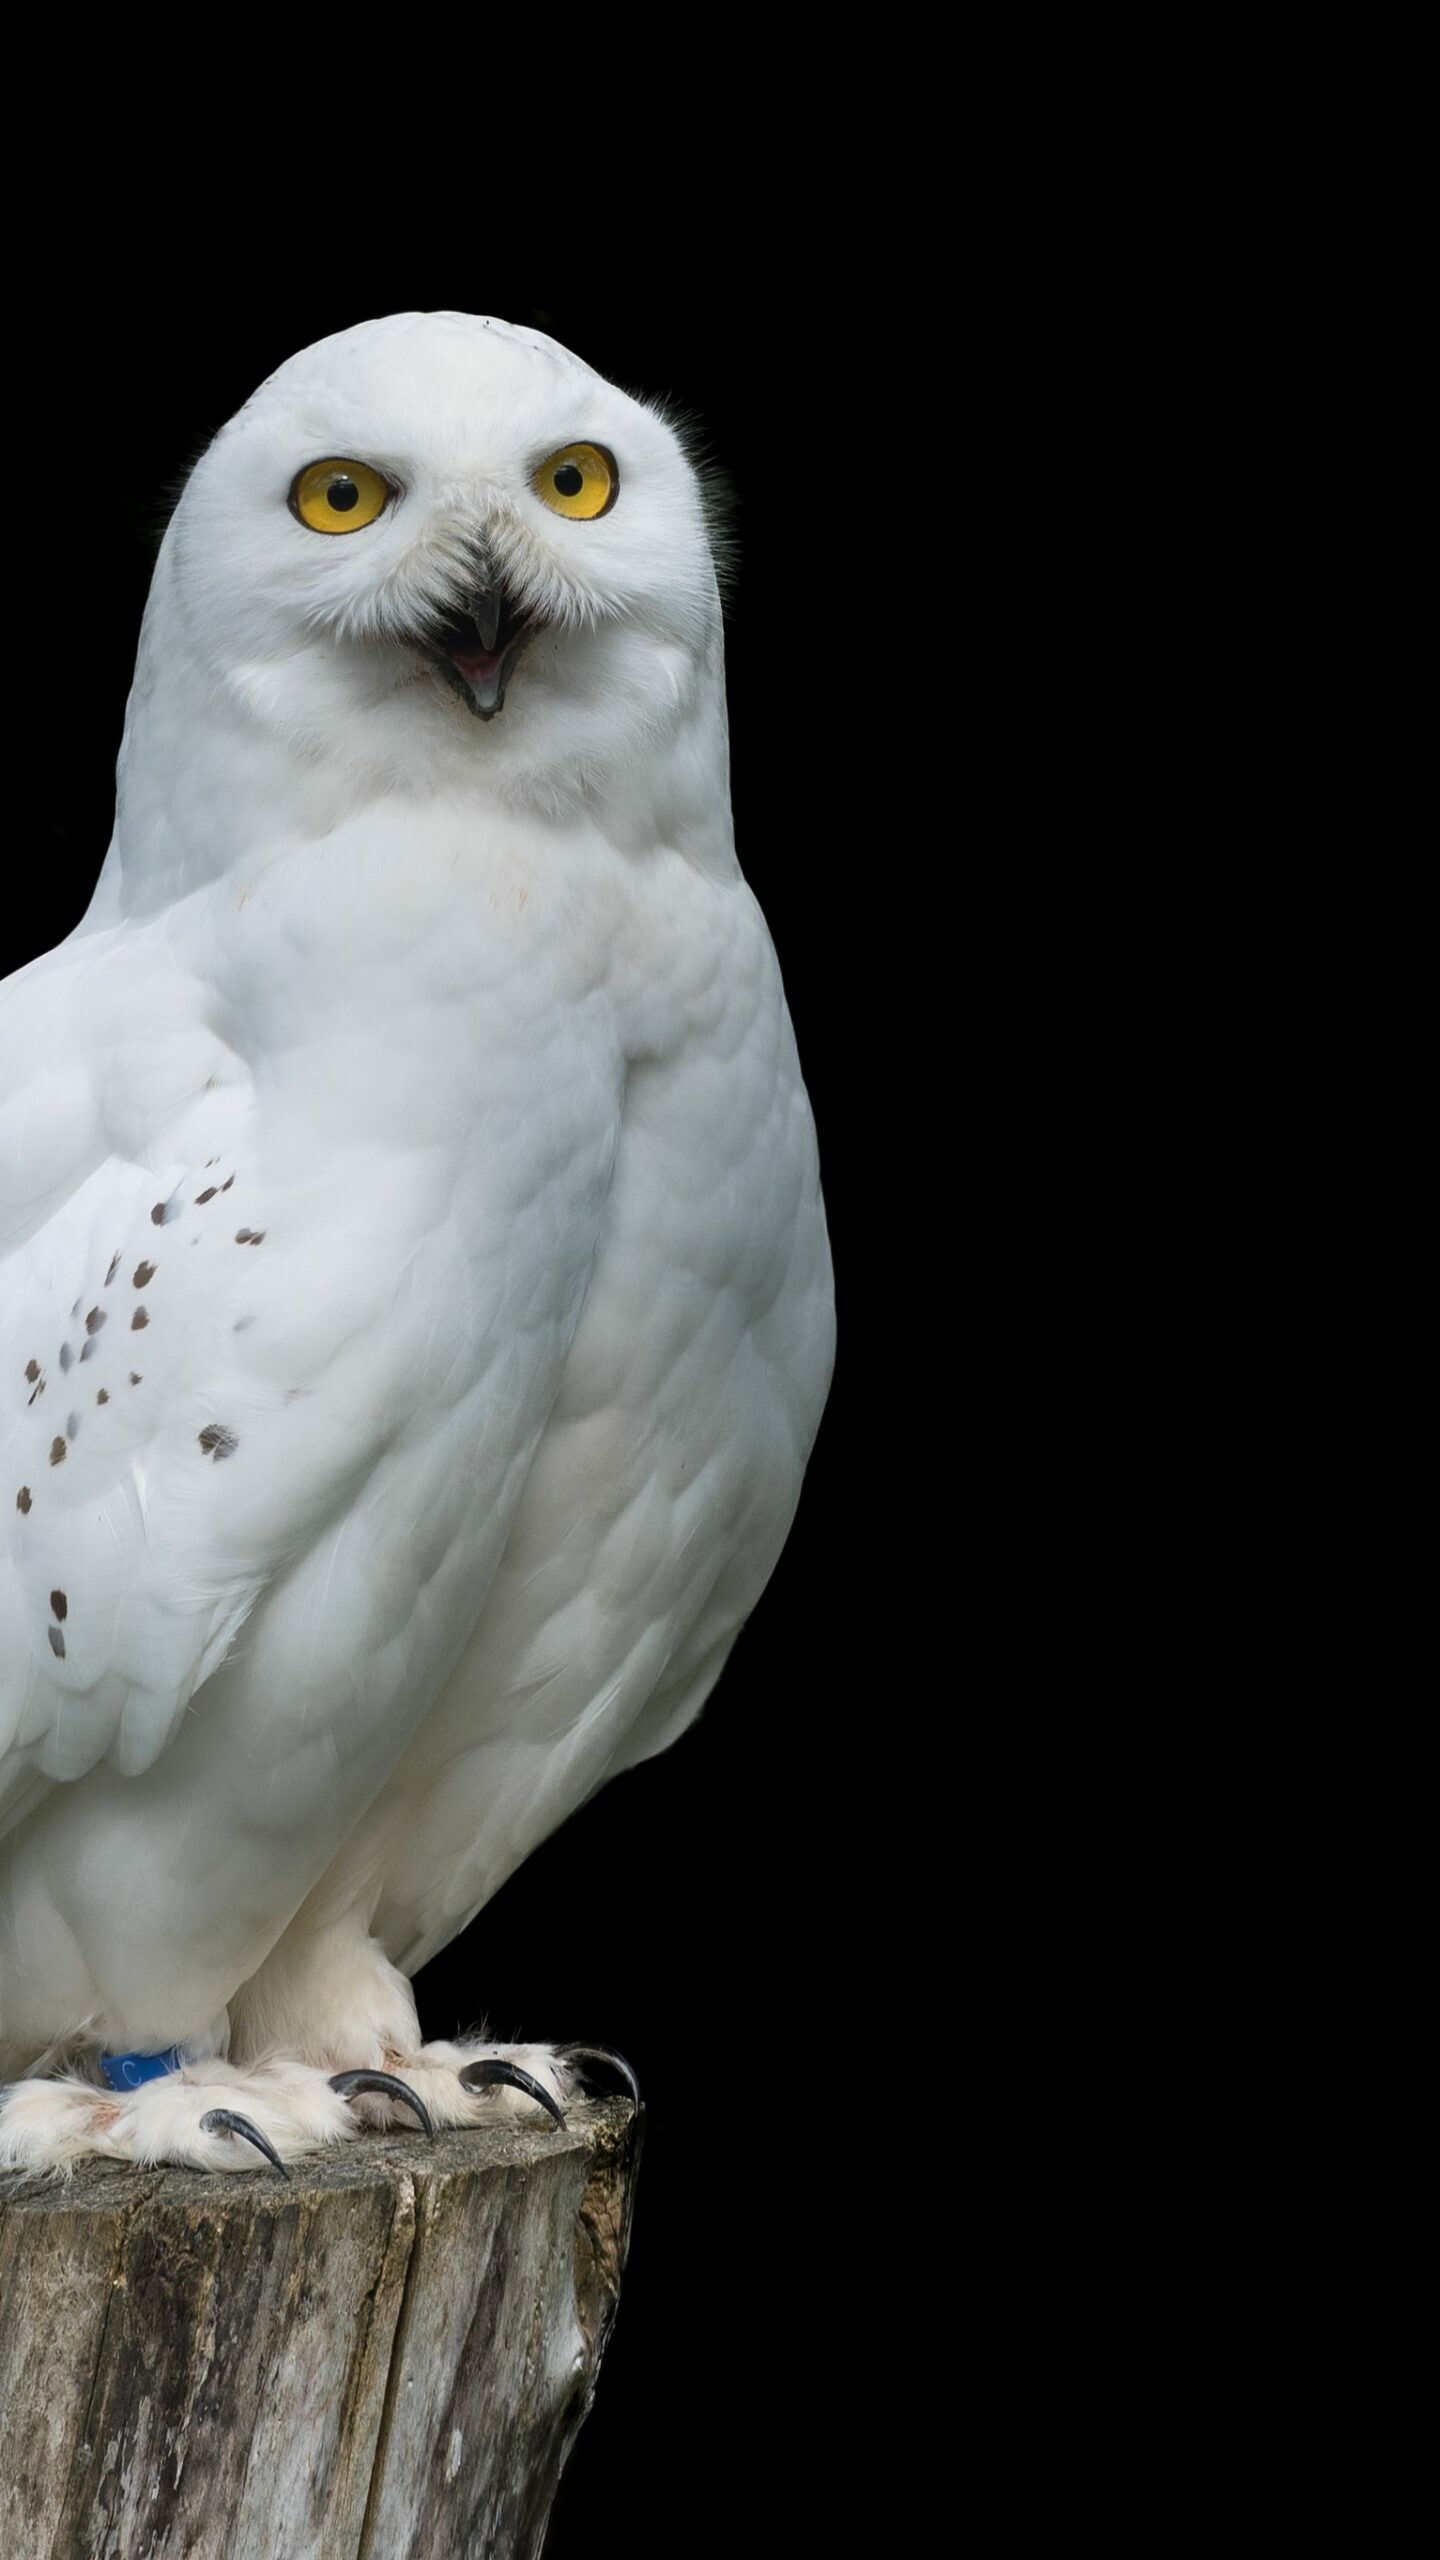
{"points": [[417, 1307]]}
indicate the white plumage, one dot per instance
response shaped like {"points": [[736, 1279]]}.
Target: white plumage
{"points": [[417, 1309]]}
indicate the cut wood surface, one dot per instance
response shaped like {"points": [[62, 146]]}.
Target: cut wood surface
{"points": [[386, 2358]]}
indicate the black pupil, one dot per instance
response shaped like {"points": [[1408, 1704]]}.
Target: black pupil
{"points": [[342, 495], [569, 481]]}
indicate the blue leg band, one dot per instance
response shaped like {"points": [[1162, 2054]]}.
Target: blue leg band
{"points": [[127, 2070]]}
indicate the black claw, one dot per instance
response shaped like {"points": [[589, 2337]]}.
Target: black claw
{"points": [[605, 2053], [492, 2073], [225, 2120], [389, 2087]]}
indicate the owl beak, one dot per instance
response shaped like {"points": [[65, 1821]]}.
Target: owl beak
{"points": [[477, 649], [486, 607]]}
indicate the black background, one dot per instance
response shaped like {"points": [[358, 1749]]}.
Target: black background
{"points": [[713, 1914]]}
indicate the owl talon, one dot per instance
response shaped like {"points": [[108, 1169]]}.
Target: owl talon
{"points": [[385, 2084], [491, 2073], [616, 2062], [225, 2120]]}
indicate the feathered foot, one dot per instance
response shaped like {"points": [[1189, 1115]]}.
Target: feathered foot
{"points": [[471, 2082], [214, 2115], [474, 2082], [206, 2115]]}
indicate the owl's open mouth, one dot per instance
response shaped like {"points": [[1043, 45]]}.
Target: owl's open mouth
{"points": [[476, 648]]}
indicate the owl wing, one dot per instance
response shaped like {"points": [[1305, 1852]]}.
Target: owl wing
{"points": [[196, 1392]]}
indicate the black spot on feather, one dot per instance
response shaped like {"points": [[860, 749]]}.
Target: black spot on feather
{"points": [[218, 1442]]}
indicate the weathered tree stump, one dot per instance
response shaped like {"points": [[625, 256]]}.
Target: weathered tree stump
{"points": [[389, 2358]]}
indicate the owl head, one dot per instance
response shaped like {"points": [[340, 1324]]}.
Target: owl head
{"points": [[438, 545]]}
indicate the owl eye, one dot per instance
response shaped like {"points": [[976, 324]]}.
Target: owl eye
{"points": [[579, 481], [338, 497]]}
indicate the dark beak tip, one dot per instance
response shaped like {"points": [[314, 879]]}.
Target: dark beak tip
{"points": [[487, 604]]}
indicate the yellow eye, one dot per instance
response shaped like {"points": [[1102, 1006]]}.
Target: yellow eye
{"points": [[579, 481], [338, 497]]}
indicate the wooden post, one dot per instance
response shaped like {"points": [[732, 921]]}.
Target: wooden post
{"points": [[387, 2358]]}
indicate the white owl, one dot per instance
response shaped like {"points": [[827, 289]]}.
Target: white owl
{"points": [[417, 1306]]}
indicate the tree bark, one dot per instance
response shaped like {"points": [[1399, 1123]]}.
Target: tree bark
{"points": [[387, 2358]]}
